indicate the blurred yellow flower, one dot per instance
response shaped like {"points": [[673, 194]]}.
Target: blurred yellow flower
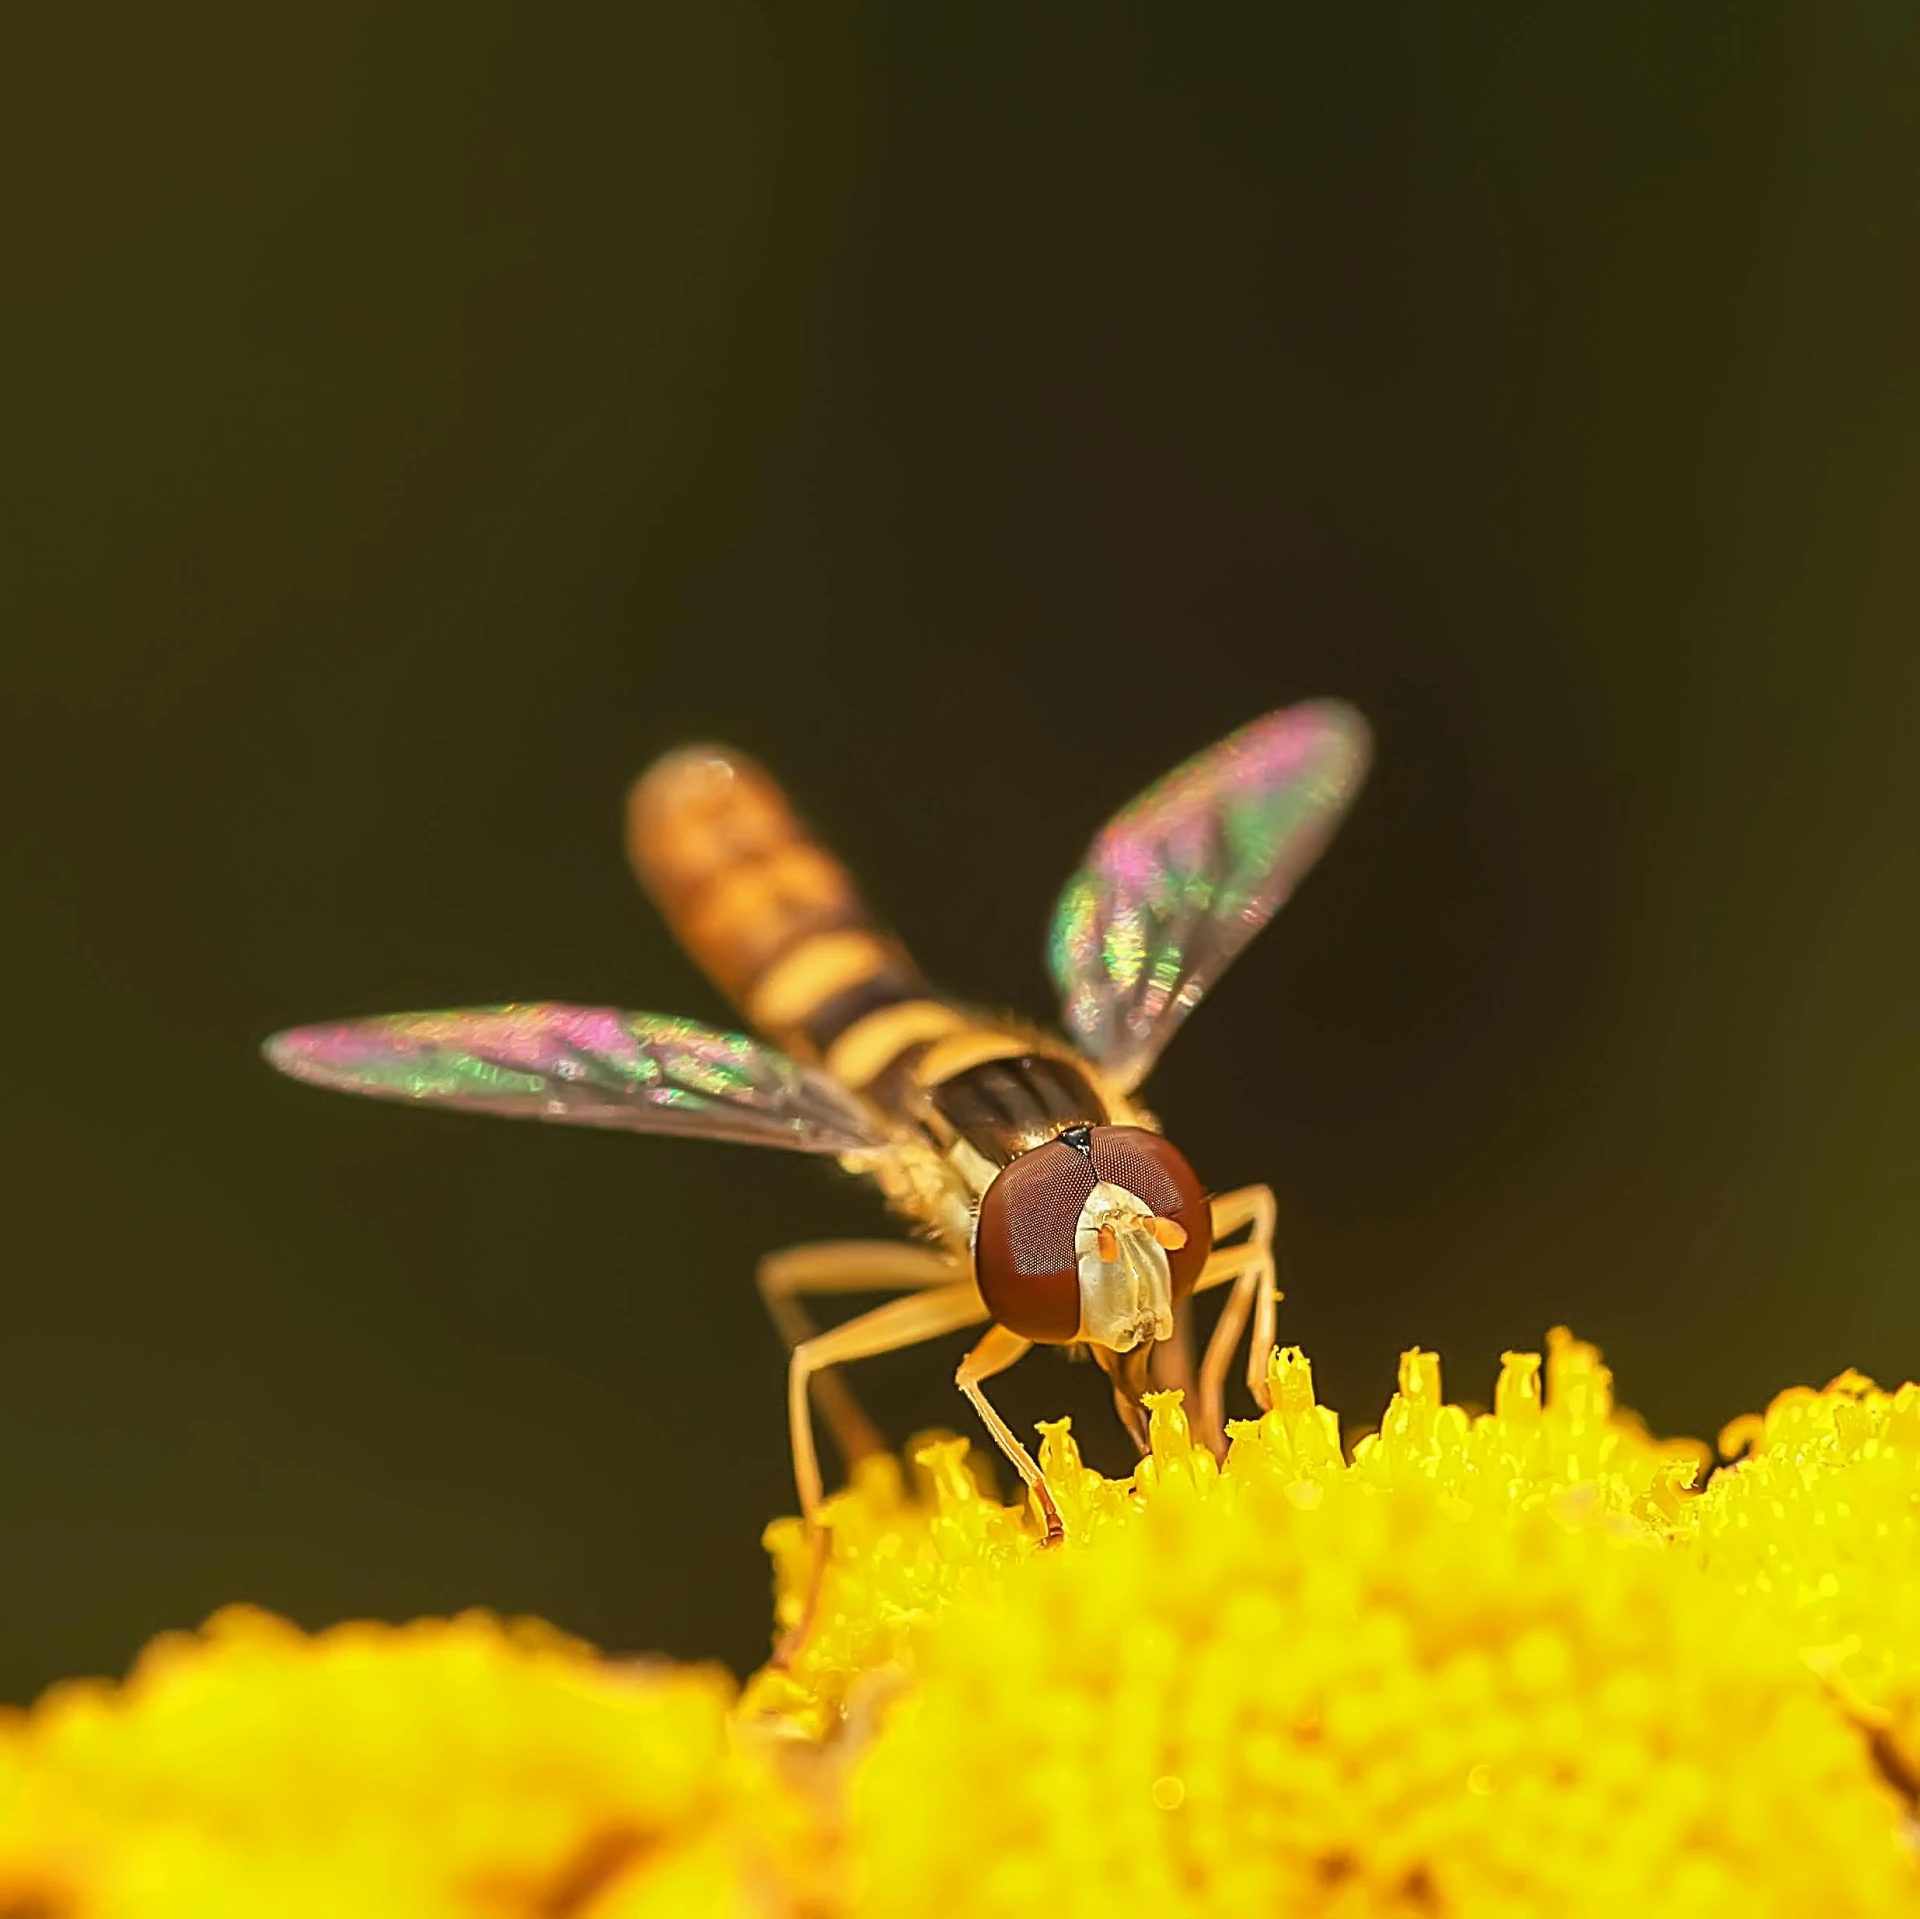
{"points": [[462, 1767], [1505, 1663]]}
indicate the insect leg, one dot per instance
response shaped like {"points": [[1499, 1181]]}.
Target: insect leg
{"points": [[900, 1322], [994, 1354], [845, 1266], [1250, 1269]]}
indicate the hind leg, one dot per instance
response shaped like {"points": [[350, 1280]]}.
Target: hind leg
{"points": [[845, 1266]]}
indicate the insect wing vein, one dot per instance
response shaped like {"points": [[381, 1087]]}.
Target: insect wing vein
{"points": [[585, 1066], [1182, 878]]}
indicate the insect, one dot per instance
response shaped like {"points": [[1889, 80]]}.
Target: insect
{"points": [[1048, 1203]]}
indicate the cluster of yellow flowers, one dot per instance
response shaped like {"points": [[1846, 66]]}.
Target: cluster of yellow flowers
{"points": [[1510, 1663]]}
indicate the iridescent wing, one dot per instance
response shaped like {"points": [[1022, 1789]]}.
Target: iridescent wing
{"points": [[585, 1066], [1179, 881]]}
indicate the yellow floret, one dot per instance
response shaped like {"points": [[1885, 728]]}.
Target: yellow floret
{"points": [[897, 1559], [1820, 1527], [1528, 1450]]}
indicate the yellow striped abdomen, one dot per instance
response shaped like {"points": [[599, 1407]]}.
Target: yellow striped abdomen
{"points": [[774, 919]]}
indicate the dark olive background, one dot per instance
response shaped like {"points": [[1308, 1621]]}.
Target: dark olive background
{"points": [[418, 416]]}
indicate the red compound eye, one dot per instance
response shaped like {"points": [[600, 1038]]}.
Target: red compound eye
{"points": [[1160, 1177], [1024, 1258], [1024, 1255]]}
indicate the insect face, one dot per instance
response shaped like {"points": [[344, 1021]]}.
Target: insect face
{"points": [[1093, 1236]]}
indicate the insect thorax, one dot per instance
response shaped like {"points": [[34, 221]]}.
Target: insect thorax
{"points": [[1001, 1108]]}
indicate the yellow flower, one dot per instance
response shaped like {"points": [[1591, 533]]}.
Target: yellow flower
{"points": [[1465, 1674], [467, 1767]]}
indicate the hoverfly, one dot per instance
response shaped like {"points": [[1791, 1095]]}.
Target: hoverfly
{"points": [[1048, 1203]]}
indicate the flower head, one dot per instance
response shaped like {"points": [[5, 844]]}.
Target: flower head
{"points": [[1321, 1697], [461, 1767]]}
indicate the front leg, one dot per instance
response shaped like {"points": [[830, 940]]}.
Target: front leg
{"points": [[997, 1350], [1249, 1268]]}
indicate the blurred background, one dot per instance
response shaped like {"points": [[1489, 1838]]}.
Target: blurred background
{"points": [[418, 416]]}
